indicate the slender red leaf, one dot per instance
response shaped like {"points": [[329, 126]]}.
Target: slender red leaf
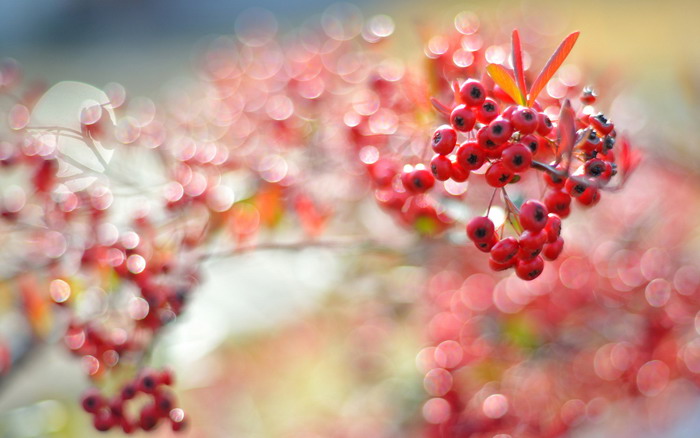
{"points": [[553, 64], [503, 79], [442, 109], [629, 158], [518, 63]]}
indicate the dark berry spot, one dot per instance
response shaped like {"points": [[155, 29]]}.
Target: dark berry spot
{"points": [[579, 188], [518, 160], [534, 273], [417, 182], [437, 137], [433, 167], [489, 107], [528, 116], [609, 142], [480, 233], [475, 92], [503, 177], [497, 129], [472, 159], [539, 214], [459, 120]]}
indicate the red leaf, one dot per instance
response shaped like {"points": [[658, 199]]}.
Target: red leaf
{"points": [[503, 79], [555, 61], [442, 109], [518, 63]]}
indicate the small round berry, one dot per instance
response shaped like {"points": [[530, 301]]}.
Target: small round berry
{"points": [[488, 245], [517, 158], [558, 202], [487, 111], [92, 401], [601, 124], [483, 139], [554, 181], [575, 187], [533, 240], [498, 175], [103, 421], [148, 382], [470, 156], [598, 169], [418, 180], [459, 173], [149, 417], [128, 391], [504, 251], [480, 229], [383, 171], [495, 266], [508, 112], [552, 250], [589, 197], [525, 254], [499, 130], [441, 167], [532, 142], [163, 402], [524, 120], [444, 140], [533, 215], [588, 96], [462, 118], [553, 227], [529, 269], [472, 93], [544, 125]]}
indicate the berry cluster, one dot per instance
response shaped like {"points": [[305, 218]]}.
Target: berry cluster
{"points": [[149, 392], [499, 128]]}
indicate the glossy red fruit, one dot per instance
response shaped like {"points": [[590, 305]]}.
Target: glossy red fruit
{"points": [[558, 202], [599, 170], [533, 240], [575, 187], [383, 171], [588, 96], [504, 251], [601, 124], [441, 167], [533, 215], [544, 124], [418, 180], [148, 382], [524, 120], [517, 157], [495, 266], [480, 229], [149, 417], [483, 140], [589, 197], [552, 250], [470, 156], [462, 118], [554, 181], [103, 421], [532, 142], [92, 401], [553, 227], [498, 175], [529, 269], [444, 140], [499, 130], [487, 245], [459, 173], [472, 93], [487, 111]]}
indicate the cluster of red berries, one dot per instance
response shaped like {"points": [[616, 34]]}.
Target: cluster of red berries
{"points": [[148, 391]]}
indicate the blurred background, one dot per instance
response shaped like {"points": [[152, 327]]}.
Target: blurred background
{"points": [[323, 310]]}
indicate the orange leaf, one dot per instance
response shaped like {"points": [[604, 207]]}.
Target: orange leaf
{"points": [[503, 79], [518, 63], [553, 64]]}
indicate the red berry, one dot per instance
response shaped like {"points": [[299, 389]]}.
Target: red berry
{"points": [[483, 139], [558, 202], [589, 197], [149, 417], [529, 269], [532, 142], [92, 401], [552, 250], [601, 124], [472, 93], [163, 402], [498, 175], [588, 96], [499, 130], [517, 158], [553, 227], [504, 251], [488, 245], [462, 118], [533, 215], [599, 170], [575, 187], [480, 229], [441, 167], [524, 120], [459, 173], [418, 180], [533, 240], [470, 156], [501, 266], [487, 111], [103, 421], [148, 382], [383, 171], [554, 181], [444, 140], [544, 125]]}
